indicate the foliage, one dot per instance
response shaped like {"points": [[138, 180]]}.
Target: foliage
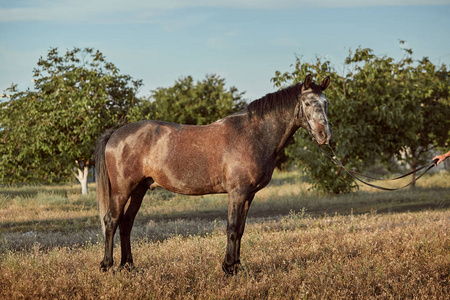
{"points": [[426, 88], [48, 132], [380, 109], [192, 103]]}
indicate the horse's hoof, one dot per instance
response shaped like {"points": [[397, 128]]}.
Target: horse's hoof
{"points": [[228, 273], [105, 267], [230, 270]]}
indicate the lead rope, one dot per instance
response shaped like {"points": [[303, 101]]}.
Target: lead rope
{"points": [[354, 174]]}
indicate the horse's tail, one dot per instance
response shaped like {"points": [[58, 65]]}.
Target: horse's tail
{"points": [[102, 177]]}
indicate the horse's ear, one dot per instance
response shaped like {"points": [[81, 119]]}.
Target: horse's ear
{"points": [[307, 82], [325, 83]]}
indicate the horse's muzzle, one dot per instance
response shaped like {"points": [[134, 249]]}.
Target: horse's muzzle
{"points": [[323, 135]]}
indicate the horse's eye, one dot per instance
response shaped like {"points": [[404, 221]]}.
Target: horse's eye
{"points": [[307, 104]]}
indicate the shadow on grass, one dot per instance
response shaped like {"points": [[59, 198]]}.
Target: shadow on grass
{"points": [[29, 191], [357, 203], [199, 220], [287, 178]]}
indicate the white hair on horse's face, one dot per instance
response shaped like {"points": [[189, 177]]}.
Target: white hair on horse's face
{"points": [[315, 109], [324, 100]]}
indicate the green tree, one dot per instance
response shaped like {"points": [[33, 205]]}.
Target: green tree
{"points": [[49, 133], [425, 88], [380, 108], [189, 102]]}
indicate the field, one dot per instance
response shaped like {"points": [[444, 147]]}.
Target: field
{"points": [[297, 245]]}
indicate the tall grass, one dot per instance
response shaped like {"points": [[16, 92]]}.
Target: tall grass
{"points": [[405, 255], [298, 245]]}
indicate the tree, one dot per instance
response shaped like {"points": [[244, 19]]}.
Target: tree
{"points": [[426, 89], [50, 132], [380, 109], [192, 103]]}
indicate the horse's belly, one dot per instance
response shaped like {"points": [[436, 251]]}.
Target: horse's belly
{"points": [[189, 178], [188, 187]]}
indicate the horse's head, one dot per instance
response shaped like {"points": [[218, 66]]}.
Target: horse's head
{"points": [[312, 108]]}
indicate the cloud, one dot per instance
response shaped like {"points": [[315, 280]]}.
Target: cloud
{"points": [[222, 42], [138, 10]]}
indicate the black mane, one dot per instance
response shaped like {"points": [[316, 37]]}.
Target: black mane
{"points": [[276, 101]]}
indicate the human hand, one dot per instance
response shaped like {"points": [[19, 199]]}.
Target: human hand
{"points": [[440, 158]]}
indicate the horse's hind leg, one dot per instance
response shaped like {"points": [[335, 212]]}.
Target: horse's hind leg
{"points": [[112, 219], [126, 223]]}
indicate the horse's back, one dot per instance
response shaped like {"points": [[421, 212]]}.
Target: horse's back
{"points": [[182, 158]]}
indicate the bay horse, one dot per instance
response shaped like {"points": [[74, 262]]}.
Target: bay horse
{"points": [[234, 155]]}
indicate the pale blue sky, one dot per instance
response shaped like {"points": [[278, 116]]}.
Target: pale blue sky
{"points": [[243, 41]]}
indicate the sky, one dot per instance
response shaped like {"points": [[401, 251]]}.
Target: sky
{"points": [[244, 42]]}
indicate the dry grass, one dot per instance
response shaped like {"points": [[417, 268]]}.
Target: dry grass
{"points": [[405, 255], [365, 245]]}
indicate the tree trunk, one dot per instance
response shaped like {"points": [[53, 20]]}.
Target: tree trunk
{"points": [[82, 177], [413, 165], [413, 176]]}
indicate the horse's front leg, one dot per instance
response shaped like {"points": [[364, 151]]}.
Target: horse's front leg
{"points": [[238, 205]]}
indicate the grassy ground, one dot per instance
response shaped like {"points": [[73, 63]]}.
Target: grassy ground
{"points": [[297, 245]]}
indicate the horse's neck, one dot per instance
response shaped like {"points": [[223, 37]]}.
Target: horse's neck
{"points": [[277, 129], [289, 130]]}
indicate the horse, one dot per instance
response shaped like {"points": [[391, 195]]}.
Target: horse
{"points": [[234, 155]]}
